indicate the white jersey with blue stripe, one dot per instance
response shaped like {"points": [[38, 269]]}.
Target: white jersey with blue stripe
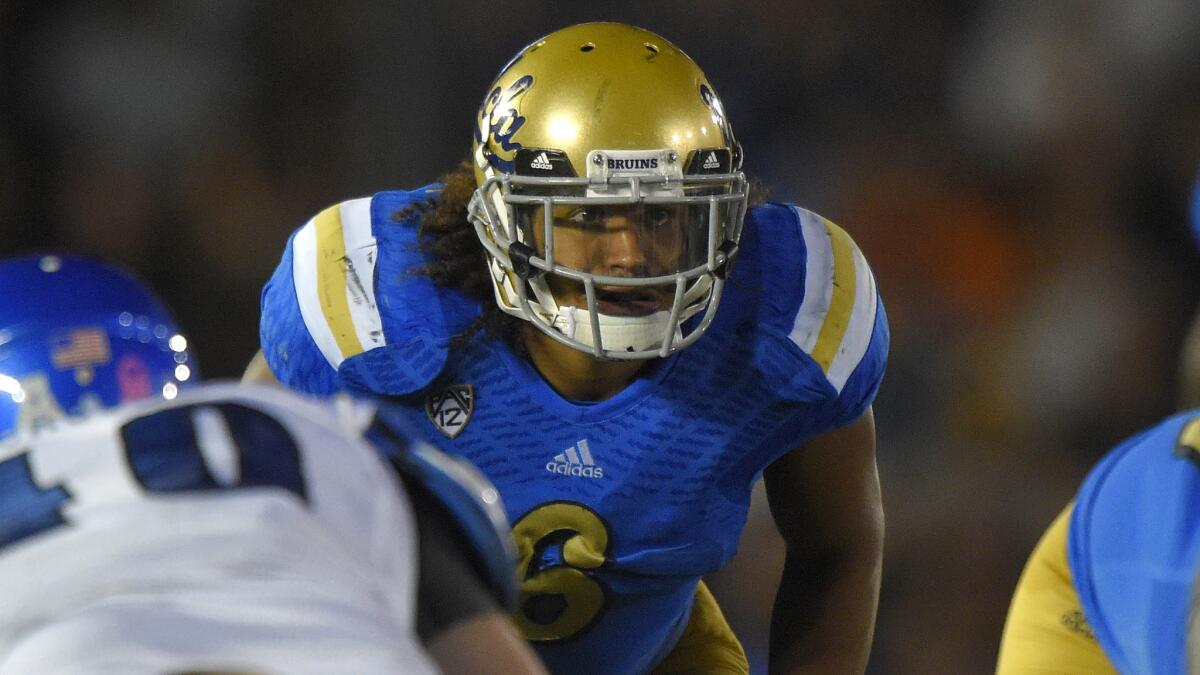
{"points": [[232, 529]]}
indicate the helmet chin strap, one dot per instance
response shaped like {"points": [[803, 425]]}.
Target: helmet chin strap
{"points": [[619, 333]]}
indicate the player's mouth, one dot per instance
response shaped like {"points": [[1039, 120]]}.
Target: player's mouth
{"points": [[624, 301]]}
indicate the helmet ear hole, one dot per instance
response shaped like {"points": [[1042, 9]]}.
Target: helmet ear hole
{"points": [[586, 47], [653, 49]]}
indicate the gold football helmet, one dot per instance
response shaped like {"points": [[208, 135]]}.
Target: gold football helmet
{"points": [[610, 198]]}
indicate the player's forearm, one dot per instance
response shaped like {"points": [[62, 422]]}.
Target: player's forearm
{"points": [[824, 615], [258, 371], [484, 643]]}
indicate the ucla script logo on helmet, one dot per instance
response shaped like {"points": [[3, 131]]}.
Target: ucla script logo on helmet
{"points": [[450, 409], [499, 121]]}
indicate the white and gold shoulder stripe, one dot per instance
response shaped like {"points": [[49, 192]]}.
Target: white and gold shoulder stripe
{"points": [[837, 317], [333, 264]]}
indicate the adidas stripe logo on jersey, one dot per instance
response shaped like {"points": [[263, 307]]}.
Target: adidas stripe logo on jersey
{"points": [[575, 461], [542, 162], [711, 162]]}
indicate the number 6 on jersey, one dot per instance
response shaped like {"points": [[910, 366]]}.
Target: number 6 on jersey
{"points": [[558, 543]]}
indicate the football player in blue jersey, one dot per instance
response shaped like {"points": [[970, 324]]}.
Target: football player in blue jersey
{"points": [[597, 311], [1107, 588], [150, 524], [1111, 584]]}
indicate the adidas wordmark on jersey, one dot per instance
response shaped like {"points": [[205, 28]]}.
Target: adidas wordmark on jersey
{"points": [[576, 460]]}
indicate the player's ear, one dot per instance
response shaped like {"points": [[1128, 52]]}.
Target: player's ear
{"points": [[258, 372]]}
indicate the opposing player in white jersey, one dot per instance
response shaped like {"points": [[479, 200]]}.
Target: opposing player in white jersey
{"points": [[148, 526]]}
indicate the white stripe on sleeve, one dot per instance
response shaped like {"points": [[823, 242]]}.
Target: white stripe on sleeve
{"points": [[361, 252], [862, 325], [304, 275], [818, 282]]}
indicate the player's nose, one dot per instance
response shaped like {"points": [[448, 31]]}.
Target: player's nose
{"points": [[624, 253]]}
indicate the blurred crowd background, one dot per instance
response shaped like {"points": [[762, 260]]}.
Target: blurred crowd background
{"points": [[1016, 171]]}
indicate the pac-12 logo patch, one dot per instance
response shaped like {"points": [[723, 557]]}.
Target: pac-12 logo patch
{"points": [[450, 409]]}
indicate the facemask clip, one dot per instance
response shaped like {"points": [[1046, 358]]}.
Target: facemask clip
{"points": [[724, 259], [520, 253]]}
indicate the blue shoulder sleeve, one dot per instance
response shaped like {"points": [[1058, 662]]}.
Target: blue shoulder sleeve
{"points": [[466, 496], [1134, 544], [821, 309], [417, 318], [286, 343], [863, 384], [348, 308]]}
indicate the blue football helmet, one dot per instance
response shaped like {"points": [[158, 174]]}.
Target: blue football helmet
{"points": [[78, 335]]}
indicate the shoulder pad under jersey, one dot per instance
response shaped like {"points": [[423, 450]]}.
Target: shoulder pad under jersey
{"points": [[472, 502], [347, 308], [822, 297]]}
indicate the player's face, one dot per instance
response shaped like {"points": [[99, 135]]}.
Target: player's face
{"points": [[632, 241]]}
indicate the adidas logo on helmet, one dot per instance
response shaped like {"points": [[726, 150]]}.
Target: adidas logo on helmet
{"points": [[542, 162]]}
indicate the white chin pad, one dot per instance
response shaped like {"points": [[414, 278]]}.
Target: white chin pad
{"points": [[619, 333]]}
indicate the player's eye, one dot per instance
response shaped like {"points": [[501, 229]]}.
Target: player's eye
{"points": [[657, 216], [591, 216]]}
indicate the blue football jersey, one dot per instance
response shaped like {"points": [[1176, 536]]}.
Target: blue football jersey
{"points": [[1133, 545], [618, 507]]}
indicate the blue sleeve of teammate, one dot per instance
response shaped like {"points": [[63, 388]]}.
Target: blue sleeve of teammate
{"points": [[1134, 543]]}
